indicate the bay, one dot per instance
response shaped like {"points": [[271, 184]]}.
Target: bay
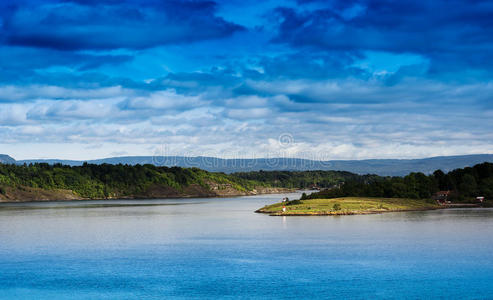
{"points": [[219, 248]]}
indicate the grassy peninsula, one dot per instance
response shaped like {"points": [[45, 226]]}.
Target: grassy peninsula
{"points": [[347, 206], [375, 194]]}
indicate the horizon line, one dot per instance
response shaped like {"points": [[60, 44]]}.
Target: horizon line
{"points": [[241, 158]]}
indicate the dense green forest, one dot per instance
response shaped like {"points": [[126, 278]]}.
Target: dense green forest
{"points": [[465, 184], [106, 180], [303, 179]]}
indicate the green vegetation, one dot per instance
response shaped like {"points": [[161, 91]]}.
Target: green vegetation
{"points": [[110, 181], [348, 206], [374, 194], [107, 181], [464, 184], [303, 179]]}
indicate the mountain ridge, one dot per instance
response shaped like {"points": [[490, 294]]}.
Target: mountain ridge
{"points": [[382, 167], [6, 159]]}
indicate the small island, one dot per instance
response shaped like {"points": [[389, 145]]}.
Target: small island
{"points": [[369, 194], [347, 206]]}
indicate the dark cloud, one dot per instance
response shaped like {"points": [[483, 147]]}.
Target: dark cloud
{"points": [[443, 31], [110, 25], [23, 58], [90, 71]]}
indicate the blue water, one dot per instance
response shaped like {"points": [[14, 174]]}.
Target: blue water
{"points": [[219, 248]]}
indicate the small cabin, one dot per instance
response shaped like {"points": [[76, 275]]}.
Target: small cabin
{"points": [[480, 199]]}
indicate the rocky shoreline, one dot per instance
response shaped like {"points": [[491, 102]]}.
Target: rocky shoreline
{"points": [[343, 213], [373, 212], [29, 194]]}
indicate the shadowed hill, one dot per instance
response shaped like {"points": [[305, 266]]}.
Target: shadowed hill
{"points": [[42, 181]]}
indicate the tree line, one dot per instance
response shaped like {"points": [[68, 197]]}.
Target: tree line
{"points": [[302, 179], [465, 185], [108, 180]]}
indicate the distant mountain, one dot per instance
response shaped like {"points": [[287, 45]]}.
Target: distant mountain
{"points": [[5, 159], [383, 167]]}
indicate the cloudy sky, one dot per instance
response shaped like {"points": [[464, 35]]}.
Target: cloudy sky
{"points": [[303, 78]]}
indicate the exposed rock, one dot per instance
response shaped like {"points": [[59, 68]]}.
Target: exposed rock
{"points": [[27, 194]]}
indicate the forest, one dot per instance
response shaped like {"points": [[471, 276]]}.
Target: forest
{"points": [[106, 180], [302, 179], [465, 185]]}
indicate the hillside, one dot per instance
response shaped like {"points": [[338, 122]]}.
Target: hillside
{"points": [[58, 182], [383, 167], [41, 181]]}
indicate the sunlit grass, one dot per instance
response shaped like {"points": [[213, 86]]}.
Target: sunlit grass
{"points": [[348, 205]]}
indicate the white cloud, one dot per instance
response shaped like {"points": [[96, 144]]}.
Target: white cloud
{"points": [[163, 100], [249, 113], [413, 119]]}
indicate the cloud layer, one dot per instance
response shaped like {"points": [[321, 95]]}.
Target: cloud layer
{"points": [[342, 79], [95, 25]]}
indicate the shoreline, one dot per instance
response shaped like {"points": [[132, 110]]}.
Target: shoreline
{"points": [[263, 191], [339, 213], [354, 213]]}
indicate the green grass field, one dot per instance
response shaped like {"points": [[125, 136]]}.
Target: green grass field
{"points": [[347, 206]]}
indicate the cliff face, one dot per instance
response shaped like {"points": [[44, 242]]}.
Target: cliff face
{"points": [[225, 190]]}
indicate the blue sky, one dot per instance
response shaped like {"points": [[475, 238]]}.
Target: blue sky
{"points": [[303, 78]]}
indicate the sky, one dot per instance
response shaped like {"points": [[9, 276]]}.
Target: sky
{"points": [[331, 79]]}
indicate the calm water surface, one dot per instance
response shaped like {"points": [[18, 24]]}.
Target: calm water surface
{"points": [[218, 248]]}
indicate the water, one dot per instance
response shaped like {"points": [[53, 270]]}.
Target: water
{"points": [[219, 248]]}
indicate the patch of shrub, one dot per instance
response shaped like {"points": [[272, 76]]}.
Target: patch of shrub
{"points": [[294, 202], [381, 206], [336, 207]]}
